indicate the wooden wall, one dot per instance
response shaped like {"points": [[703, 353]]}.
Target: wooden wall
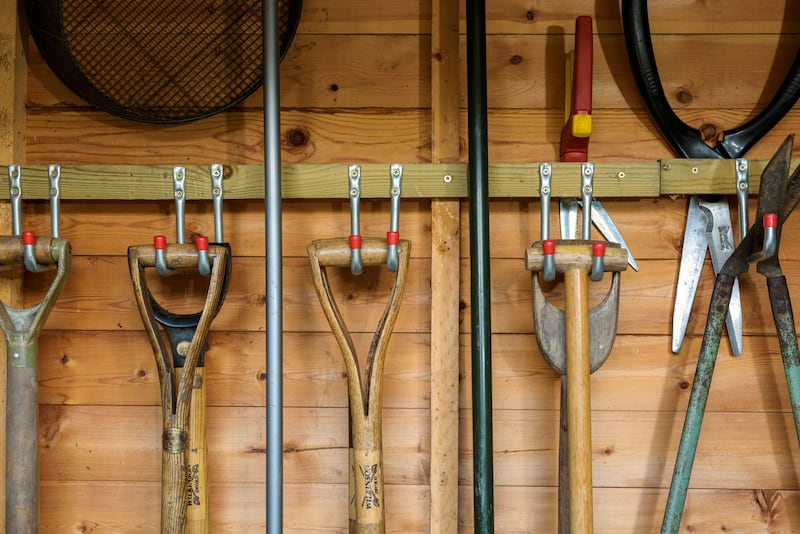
{"points": [[356, 88]]}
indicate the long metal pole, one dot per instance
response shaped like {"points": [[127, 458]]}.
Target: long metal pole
{"points": [[480, 285], [274, 288]]}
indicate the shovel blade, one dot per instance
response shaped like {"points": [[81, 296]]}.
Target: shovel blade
{"points": [[549, 321]]}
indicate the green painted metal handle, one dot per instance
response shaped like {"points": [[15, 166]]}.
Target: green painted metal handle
{"points": [[718, 310]]}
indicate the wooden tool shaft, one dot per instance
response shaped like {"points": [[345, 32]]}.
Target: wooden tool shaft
{"points": [[367, 472], [173, 475], [197, 512], [579, 425], [22, 460]]}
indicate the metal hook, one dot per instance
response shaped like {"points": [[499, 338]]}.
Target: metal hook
{"points": [[742, 189], [549, 266], [770, 244], [354, 179], [548, 245], [598, 261], [28, 238], [15, 194], [160, 246], [179, 191], [54, 174], [203, 259], [216, 196], [587, 173], [545, 173], [29, 254], [393, 235]]}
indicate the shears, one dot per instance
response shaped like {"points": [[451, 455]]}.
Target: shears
{"points": [[708, 223], [575, 135], [779, 194]]}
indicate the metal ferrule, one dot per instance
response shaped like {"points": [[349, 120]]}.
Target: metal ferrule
{"points": [[587, 173], [395, 180], [216, 197], [742, 189], [173, 440], [545, 174], [54, 175], [179, 191], [354, 179]]}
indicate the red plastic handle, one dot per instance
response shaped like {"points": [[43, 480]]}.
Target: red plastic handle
{"points": [[160, 242], [579, 93], [201, 242], [28, 238]]}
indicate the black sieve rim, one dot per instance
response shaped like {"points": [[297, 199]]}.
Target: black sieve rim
{"points": [[158, 61]]}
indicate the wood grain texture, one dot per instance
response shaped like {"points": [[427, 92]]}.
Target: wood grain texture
{"points": [[99, 393]]}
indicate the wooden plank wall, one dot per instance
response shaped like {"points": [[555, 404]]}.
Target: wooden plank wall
{"points": [[356, 88]]}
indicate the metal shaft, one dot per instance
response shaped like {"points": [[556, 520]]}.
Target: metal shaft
{"points": [[274, 273], [695, 411], [480, 302]]}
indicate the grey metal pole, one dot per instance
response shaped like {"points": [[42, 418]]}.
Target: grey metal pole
{"points": [[274, 250]]}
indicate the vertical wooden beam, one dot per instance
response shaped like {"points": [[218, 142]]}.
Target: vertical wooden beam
{"points": [[445, 268], [13, 77]]}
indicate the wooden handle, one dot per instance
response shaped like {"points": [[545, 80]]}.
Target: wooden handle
{"points": [[173, 479], [336, 252], [579, 425], [197, 512], [177, 386], [12, 250], [576, 254], [178, 256], [366, 508]]}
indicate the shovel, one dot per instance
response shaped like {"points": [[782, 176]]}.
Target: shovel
{"points": [[575, 342], [21, 328], [184, 479], [187, 335], [366, 465]]}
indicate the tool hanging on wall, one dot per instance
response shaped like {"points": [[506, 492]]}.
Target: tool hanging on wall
{"points": [[479, 268], [576, 132], [705, 212], [574, 147], [21, 328], [185, 61], [367, 510], [575, 341], [779, 194], [184, 499]]}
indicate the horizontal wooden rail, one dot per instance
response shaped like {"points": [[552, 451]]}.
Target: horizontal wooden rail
{"points": [[420, 180]]}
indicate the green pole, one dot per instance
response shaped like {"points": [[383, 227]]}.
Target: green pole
{"points": [[480, 286]]}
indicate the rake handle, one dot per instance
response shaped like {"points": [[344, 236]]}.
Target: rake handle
{"points": [[579, 424]]}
